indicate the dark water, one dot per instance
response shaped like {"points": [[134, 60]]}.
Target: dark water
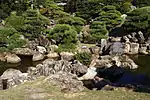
{"points": [[144, 64], [26, 61]]}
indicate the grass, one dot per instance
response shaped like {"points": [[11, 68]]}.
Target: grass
{"points": [[40, 89]]}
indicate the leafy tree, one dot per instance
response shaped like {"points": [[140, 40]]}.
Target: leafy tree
{"points": [[53, 11], [87, 9], [7, 6], [138, 20], [121, 5], [98, 31], [110, 16], [64, 35], [141, 3], [76, 22], [9, 39]]}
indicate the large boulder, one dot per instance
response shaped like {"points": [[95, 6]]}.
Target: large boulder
{"points": [[134, 48], [32, 45], [67, 82], [117, 48], [128, 62], [126, 48], [91, 73], [53, 55], [12, 58], [13, 77], [51, 67], [41, 49], [143, 49], [141, 38], [38, 56], [67, 56], [23, 51], [52, 48]]}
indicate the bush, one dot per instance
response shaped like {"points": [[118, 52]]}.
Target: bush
{"points": [[31, 24], [76, 22], [64, 35], [98, 31], [110, 16], [137, 20], [84, 58], [10, 39]]}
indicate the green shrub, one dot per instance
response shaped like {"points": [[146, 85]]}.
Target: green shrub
{"points": [[137, 20], [98, 31], [110, 16], [64, 35], [76, 22], [9, 39], [84, 58]]}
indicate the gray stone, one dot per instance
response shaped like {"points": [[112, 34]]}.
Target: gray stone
{"points": [[143, 49], [37, 57], [14, 77], [126, 48], [12, 58], [134, 48], [41, 49], [23, 51], [67, 56], [67, 82], [117, 48], [53, 55], [141, 37]]}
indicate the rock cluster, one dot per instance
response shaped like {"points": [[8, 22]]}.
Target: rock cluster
{"points": [[66, 82]]}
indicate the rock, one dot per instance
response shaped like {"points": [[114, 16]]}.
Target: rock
{"points": [[116, 61], [107, 87], [134, 48], [67, 82], [43, 41], [67, 56], [78, 68], [53, 55], [91, 73], [134, 39], [141, 37], [101, 63], [51, 67], [13, 77], [143, 49], [116, 48], [23, 51], [126, 48], [95, 49], [32, 45], [2, 57], [128, 63], [41, 49], [52, 48], [103, 43], [115, 39], [125, 39], [38, 57], [12, 58]]}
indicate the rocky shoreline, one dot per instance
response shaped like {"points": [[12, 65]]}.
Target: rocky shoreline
{"points": [[66, 72]]}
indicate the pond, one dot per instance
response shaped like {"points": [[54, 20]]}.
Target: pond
{"points": [[26, 61], [144, 64]]}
